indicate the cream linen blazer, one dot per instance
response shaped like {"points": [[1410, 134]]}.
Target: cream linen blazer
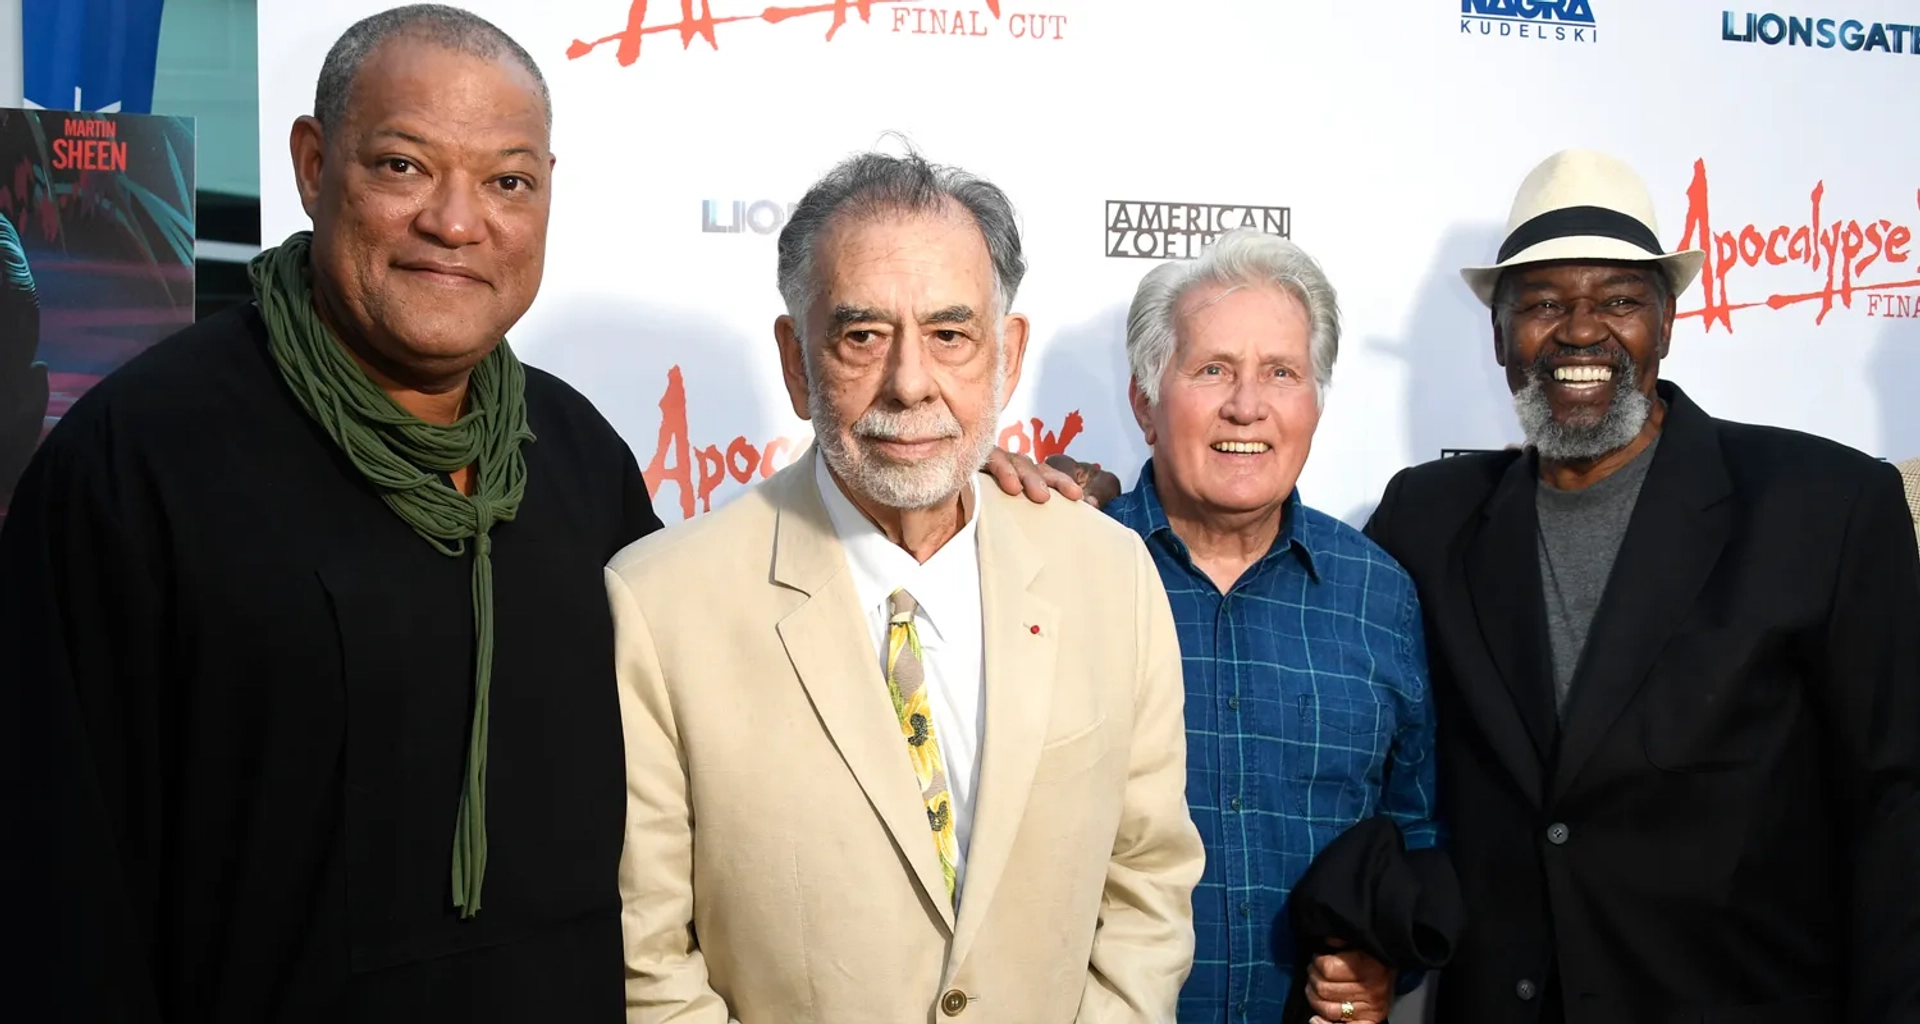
{"points": [[778, 868], [1910, 476]]}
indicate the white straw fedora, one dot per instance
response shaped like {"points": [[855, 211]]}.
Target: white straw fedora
{"points": [[1582, 205]]}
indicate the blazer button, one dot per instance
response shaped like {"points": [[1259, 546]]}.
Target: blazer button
{"points": [[953, 1002], [1557, 834], [1524, 990]]}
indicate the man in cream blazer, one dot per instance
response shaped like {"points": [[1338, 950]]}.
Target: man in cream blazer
{"points": [[901, 748], [1910, 477]]}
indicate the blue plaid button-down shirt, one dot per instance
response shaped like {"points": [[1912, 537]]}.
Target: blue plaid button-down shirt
{"points": [[1307, 711]]}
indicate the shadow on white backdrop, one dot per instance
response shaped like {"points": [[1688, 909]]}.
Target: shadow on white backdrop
{"points": [[691, 396]]}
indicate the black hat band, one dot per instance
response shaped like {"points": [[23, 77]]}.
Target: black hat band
{"points": [[1573, 221]]}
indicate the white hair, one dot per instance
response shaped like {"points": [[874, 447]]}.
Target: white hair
{"points": [[873, 183], [1237, 259]]}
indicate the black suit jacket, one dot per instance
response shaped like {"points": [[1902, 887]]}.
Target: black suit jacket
{"points": [[1400, 906], [1725, 828]]}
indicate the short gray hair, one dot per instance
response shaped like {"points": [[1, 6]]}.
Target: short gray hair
{"points": [[450, 28], [1238, 259], [874, 183], [1506, 294]]}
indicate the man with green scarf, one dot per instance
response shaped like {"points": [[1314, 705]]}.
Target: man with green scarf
{"points": [[307, 700], [308, 709]]}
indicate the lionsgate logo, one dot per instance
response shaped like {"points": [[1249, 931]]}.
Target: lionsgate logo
{"points": [[1821, 33], [743, 216], [1181, 231], [1559, 21]]}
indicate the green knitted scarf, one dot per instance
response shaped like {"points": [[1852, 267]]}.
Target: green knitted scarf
{"points": [[404, 458]]}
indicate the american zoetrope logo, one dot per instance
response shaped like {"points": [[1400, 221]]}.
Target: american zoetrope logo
{"points": [[1180, 231]]}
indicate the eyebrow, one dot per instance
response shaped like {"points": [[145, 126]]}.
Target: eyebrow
{"points": [[398, 134], [421, 141], [950, 315], [844, 314], [1225, 355], [1536, 284], [1627, 278]]}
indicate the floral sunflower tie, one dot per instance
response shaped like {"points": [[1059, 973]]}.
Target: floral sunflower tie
{"points": [[906, 681]]}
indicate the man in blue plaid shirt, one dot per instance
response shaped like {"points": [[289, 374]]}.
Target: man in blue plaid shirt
{"points": [[1306, 668]]}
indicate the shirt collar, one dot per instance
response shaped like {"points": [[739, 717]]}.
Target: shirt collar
{"points": [[940, 586], [1140, 508]]}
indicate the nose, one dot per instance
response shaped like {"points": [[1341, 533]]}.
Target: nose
{"points": [[1245, 405], [909, 381], [1584, 326], [453, 215]]}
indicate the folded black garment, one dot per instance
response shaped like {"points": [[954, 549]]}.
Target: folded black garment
{"points": [[1401, 906]]}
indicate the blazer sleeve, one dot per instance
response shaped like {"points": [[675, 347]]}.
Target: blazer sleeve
{"points": [[1143, 945], [666, 975], [1871, 696]]}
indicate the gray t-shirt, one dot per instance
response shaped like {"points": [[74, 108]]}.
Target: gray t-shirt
{"points": [[1580, 533]]}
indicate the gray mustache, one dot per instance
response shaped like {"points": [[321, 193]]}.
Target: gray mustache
{"points": [[883, 427]]}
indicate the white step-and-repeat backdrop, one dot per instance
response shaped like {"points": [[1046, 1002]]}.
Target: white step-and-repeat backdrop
{"points": [[1385, 136]]}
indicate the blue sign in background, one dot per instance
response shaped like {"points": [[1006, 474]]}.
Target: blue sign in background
{"points": [[95, 55]]}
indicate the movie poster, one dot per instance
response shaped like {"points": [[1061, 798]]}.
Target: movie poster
{"points": [[96, 258]]}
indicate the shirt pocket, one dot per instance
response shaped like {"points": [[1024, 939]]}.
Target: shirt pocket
{"points": [[1341, 730]]}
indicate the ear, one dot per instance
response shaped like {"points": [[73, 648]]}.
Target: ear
{"points": [[308, 144], [1142, 410], [793, 363], [1499, 343], [1014, 332]]}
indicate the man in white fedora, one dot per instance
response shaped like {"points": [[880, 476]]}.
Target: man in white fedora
{"points": [[1676, 666]]}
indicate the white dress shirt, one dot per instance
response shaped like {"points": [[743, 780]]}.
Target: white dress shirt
{"points": [[947, 589]]}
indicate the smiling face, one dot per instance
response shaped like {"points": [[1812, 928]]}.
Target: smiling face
{"points": [[429, 203], [1237, 406], [1582, 344], [901, 365]]}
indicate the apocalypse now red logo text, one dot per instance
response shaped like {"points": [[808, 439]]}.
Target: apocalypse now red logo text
{"points": [[1848, 253], [976, 19], [697, 471]]}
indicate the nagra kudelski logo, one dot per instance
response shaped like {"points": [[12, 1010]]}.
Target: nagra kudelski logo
{"points": [[971, 18], [1180, 231], [1560, 21], [1819, 33]]}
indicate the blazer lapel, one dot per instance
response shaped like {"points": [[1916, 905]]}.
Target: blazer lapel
{"points": [[1679, 526], [834, 655], [1502, 571], [1020, 666]]}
